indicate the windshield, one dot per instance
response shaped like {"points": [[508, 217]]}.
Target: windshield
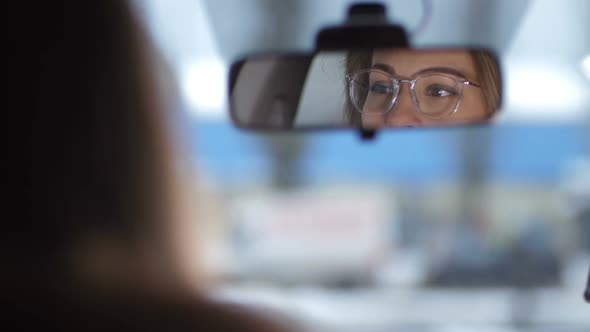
{"points": [[482, 229]]}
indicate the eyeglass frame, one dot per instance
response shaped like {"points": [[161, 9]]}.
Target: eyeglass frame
{"points": [[399, 79]]}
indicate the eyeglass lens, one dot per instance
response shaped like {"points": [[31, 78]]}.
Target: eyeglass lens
{"points": [[377, 92]]}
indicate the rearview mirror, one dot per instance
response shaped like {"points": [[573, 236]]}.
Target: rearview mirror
{"points": [[366, 88]]}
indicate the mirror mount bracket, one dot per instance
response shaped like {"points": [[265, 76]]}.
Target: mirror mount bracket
{"points": [[366, 27], [367, 14]]}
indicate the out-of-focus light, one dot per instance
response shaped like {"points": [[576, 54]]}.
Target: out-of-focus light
{"points": [[540, 87], [544, 91], [204, 87], [586, 66]]}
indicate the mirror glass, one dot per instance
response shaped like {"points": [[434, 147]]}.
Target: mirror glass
{"points": [[371, 89]]}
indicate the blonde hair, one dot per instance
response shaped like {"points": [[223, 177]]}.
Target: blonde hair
{"points": [[489, 79]]}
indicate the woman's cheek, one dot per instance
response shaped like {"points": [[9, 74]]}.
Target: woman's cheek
{"points": [[373, 120]]}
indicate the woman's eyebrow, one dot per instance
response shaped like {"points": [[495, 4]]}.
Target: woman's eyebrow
{"points": [[445, 70], [385, 67]]}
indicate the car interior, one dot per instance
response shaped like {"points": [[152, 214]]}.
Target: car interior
{"points": [[341, 165]]}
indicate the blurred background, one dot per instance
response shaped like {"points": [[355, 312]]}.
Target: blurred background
{"points": [[427, 230]]}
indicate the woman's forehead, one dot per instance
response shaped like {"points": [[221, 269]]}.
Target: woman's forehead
{"points": [[410, 62]]}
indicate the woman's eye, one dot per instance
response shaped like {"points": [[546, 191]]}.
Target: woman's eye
{"points": [[381, 88], [440, 91]]}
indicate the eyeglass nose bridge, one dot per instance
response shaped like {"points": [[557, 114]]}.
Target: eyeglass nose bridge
{"points": [[397, 83]]}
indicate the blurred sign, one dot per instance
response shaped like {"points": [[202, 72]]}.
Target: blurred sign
{"points": [[318, 235]]}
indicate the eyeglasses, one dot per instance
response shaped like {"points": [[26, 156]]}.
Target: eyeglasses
{"points": [[436, 95]]}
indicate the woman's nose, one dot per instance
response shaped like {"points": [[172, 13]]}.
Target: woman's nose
{"points": [[403, 113]]}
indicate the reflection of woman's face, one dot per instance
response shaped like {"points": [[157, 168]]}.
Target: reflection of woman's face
{"points": [[440, 96]]}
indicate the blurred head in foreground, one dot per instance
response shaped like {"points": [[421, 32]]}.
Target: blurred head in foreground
{"points": [[99, 244]]}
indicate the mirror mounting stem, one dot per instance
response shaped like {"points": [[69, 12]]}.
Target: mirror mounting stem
{"points": [[366, 27], [367, 14], [367, 135], [587, 292]]}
